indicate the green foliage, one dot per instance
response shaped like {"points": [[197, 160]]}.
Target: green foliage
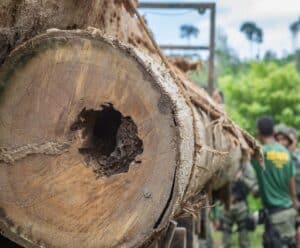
{"points": [[199, 77], [297, 58], [226, 61], [263, 88], [255, 237], [254, 203]]}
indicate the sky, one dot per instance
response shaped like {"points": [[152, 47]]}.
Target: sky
{"points": [[273, 16]]}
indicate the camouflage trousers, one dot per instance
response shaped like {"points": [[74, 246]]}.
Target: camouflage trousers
{"points": [[208, 242], [236, 215], [284, 222]]}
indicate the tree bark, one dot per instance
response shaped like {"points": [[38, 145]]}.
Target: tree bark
{"points": [[100, 147]]}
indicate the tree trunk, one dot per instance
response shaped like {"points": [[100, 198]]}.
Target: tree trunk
{"points": [[100, 146]]}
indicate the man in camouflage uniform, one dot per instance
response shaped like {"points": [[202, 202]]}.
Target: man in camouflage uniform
{"points": [[238, 213], [295, 156], [282, 135], [296, 160], [277, 181]]}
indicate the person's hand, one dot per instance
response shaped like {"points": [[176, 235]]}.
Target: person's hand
{"points": [[216, 224], [238, 175]]}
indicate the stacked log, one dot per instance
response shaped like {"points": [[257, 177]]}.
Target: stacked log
{"points": [[102, 141]]}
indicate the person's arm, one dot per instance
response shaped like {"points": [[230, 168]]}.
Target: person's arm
{"points": [[216, 216], [248, 177], [293, 194], [292, 184]]}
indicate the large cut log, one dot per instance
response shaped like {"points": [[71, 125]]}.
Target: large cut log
{"points": [[102, 142], [22, 20], [90, 143]]}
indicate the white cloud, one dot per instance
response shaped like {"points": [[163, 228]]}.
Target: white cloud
{"points": [[273, 16]]}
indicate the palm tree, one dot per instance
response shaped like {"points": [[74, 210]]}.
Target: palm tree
{"points": [[253, 33], [248, 28], [187, 31], [258, 39], [295, 29]]}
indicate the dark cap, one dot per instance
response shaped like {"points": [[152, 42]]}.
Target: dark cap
{"points": [[265, 125]]}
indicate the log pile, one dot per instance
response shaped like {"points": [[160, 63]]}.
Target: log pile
{"points": [[102, 141]]}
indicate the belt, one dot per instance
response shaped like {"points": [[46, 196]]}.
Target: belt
{"points": [[274, 210], [237, 200]]}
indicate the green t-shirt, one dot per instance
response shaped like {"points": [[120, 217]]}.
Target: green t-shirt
{"points": [[273, 181]]}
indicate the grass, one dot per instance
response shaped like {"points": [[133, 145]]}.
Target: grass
{"points": [[255, 237]]}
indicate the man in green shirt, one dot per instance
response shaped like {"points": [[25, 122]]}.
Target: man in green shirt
{"points": [[276, 182]]}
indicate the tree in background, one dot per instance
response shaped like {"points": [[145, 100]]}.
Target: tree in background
{"points": [[270, 55], [226, 61], [188, 31], [253, 33], [264, 88], [258, 39], [295, 30]]}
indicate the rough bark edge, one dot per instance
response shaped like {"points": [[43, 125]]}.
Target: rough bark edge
{"points": [[180, 82], [202, 100]]}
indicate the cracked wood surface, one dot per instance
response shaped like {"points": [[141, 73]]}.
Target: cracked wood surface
{"points": [[57, 201], [54, 200]]}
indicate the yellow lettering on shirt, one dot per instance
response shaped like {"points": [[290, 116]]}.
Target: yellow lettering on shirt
{"points": [[278, 158]]}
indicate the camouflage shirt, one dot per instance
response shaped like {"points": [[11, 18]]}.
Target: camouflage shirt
{"points": [[296, 162], [245, 184]]}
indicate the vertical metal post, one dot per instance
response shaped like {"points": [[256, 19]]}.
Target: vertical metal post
{"points": [[211, 49]]}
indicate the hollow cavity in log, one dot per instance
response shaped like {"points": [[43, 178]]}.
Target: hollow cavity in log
{"points": [[110, 142]]}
